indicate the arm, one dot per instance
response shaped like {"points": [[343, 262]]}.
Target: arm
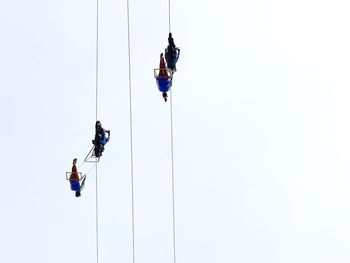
{"points": [[178, 53], [109, 135]]}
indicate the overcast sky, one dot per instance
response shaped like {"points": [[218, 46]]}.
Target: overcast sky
{"points": [[261, 131]]}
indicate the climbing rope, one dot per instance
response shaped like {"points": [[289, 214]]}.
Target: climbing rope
{"points": [[131, 140], [172, 155], [96, 190], [172, 172], [80, 167], [169, 15]]}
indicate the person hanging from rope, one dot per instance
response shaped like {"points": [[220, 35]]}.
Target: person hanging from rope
{"points": [[100, 139], [164, 78], [74, 180], [172, 54]]}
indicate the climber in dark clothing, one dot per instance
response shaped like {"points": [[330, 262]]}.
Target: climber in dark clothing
{"points": [[100, 139], [172, 54]]}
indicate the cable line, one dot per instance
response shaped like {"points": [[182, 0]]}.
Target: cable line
{"points": [[169, 15], [131, 139], [172, 154], [172, 173], [96, 190]]}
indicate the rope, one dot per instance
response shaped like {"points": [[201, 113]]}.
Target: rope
{"points": [[169, 17], [92, 167], [96, 190], [131, 140], [82, 164], [96, 216], [172, 155], [97, 55], [172, 172]]}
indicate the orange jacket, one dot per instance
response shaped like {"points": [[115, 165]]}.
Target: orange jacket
{"points": [[74, 176], [163, 73]]}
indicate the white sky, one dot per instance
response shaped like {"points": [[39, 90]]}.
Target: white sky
{"points": [[261, 131]]}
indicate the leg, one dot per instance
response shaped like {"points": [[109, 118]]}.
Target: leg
{"points": [[165, 96], [171, 40], [83, 178]]}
